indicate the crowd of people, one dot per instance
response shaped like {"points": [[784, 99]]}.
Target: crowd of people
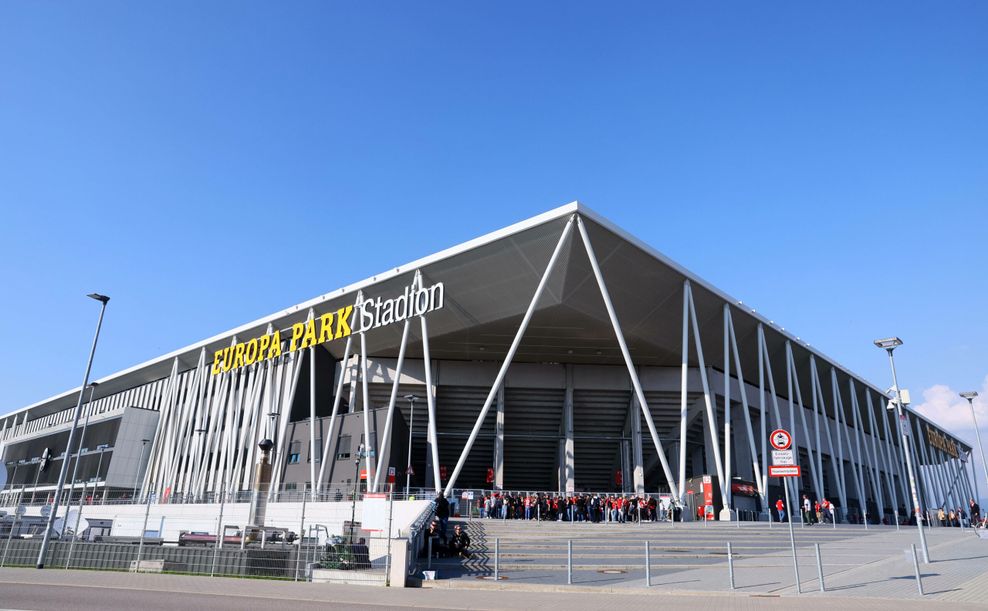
{"points": [[958, 518], [575, 507], [825, 512]]}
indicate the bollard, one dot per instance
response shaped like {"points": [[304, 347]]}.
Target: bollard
{"points": [[896, 520], [919, 578], [819, 567], [569, 562], [730, 564], [648, 567], [429, 562], [865, 520], [497, 559]]}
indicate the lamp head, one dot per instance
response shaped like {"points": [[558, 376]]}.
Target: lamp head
{"points": [[969, 395], [100, 298], [889, 343], [411, 398], [93, 384]]}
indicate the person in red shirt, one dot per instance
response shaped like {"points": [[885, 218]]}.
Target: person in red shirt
{"points": [[781, 508]]}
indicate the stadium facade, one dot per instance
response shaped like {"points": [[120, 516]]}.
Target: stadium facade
{"points": [[557, 354]]}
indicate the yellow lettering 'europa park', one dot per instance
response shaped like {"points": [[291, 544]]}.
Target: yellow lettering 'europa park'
{"points": [[327, 327]]}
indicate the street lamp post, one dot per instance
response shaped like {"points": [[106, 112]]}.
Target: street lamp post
{"points": [[970, 395], [890, 344], [200, 457], [411, 421], [82, 439], [103, 299], [137, 474]]}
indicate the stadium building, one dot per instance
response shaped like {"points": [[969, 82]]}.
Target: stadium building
{"points": [[557, 354]]}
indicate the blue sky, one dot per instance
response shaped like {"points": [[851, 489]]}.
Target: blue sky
{"points": [[206, 164]]}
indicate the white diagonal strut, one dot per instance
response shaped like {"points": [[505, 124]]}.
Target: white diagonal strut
{"points": [[708, 403], [365, 395], [508, 357], [727, 404], [683, 410], [808, 441], [674, 488], [336, 406], [432, 437], [386, 442], [744, 406]]}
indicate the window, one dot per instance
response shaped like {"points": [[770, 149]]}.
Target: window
{"points": [[343, 448], [318, 451], [295, 453]]}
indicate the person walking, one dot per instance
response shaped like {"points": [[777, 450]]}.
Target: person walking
{"points": [[806, 510], [781, 508]]}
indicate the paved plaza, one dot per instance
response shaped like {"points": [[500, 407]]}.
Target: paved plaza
{"points": [[692, 558]]}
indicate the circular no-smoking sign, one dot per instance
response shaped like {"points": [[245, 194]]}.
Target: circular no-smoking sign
{"points": [[780, 439]]}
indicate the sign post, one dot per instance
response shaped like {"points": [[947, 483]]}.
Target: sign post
{"points": [[784, 465]]}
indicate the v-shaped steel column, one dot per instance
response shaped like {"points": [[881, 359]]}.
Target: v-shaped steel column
{"points": [[508, 357], [674, 487]]}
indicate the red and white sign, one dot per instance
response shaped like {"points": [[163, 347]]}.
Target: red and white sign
{"points": [[391, 475], [708, 497], [783, 471], [780, 439]]}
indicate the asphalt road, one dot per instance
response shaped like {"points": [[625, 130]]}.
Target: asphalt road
{"points": [[87, 590]]}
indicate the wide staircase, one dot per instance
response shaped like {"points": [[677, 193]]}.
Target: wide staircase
{"points": [[544, 548], [614, 553]]}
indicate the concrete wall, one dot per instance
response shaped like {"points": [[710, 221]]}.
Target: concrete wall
{"points": [[170, 520]]}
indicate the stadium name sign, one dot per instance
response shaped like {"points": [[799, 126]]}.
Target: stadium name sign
{"points": [[362, 316], [940, 441]]}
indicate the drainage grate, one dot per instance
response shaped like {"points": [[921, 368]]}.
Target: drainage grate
{"points": [[611, 571], [491, 577]]}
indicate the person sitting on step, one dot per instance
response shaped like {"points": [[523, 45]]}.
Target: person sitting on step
{"points": [[459, 542]]}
